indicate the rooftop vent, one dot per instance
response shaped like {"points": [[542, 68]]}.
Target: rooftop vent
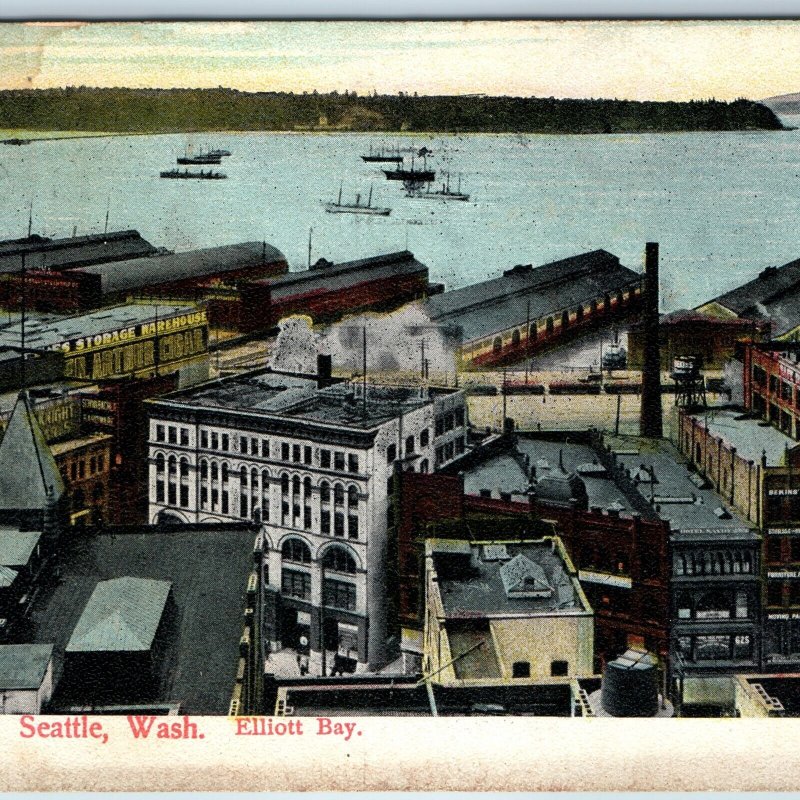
{"points": [[767, 273], [495, 552], [519, 269], [523, 578], [721, 513]]}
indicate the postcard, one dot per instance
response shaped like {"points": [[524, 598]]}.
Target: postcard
{"points": [[399, 405]]}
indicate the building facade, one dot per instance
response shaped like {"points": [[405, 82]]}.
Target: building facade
{"points": [[312, 463]]}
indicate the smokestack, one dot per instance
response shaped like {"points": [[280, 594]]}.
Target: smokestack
{"points": [[650, 423], [324, 370]]}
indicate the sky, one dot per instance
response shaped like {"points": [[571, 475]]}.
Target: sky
{"points": [[645, 60]]}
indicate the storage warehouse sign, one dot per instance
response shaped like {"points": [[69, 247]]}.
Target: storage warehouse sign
{"points": [[137, 348]]}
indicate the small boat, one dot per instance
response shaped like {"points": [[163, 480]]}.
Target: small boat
{"points": [[445, 193], [219, 153], [382, 156], [16, 141], [358, 207], [202, 175]]}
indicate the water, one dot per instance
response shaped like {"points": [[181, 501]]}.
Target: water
{"points": [[722, 205]]}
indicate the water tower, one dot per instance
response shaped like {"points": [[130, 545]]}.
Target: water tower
{"points": [[690, 385]]}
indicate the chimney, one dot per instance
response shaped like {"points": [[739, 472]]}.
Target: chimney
{"points": [[650, 423], [324, 368]]}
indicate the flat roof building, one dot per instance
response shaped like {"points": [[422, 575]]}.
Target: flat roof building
{"points": [[26, 678]]}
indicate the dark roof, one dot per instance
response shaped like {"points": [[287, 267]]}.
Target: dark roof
{"points": [[74, 251], [496, 304], [23, 666], [330, 277], [208, 567], [771, 284], [139, 273], [685, 316]]}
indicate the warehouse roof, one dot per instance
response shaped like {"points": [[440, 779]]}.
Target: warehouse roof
{"points": [[771, 284], [331, 277], [122, 616], [74, 251], [496, 304], [138, 273], [208, 567], [23, 666], [47, 332]]}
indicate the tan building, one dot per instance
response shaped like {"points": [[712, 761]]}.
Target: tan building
{"points": [[502, 611]]}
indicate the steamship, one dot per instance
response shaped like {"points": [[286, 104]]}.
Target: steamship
{"points": [[201, 175], [382, 156], [445, 193], [412, 176], [358, 207], [201, 158]]}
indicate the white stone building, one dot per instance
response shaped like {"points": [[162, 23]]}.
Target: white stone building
{"points": [[312, 461]]}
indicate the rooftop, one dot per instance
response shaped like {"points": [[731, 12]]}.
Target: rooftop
{"points": [[505, 472], [522, 580], [16, 546], [751, 437], [274, 394], [523, 291], [73, 251], [691, 511], [52, 331], [208, 568], [137, 273], [122, 615], [23, 666], [330, 277]]}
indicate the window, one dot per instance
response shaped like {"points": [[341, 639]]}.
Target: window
{"points": [[284, 451], [159, 490], [307, 454], [459, 443], [172, 435], [352, 462], [338, 494], [184, 468], [559, 669], [243, 477], [184, 437], [774, 593], [338, 524], [439, 427], [307, 517], [226, 442], [214, 440], [391, 453], [296, 453], [101, 462], [325, 492], [296, 550], [339, 595], [409, 444], [224, 502], [92, 465], [424, 438], [521, 669], [449, 421], [265, 448], [423, 465], [81, 469], [325, 521], [159, 433], [338, 461], [296, 584], [243, 444], [184, 498], [497, 344], [204, 439], [339, 560], [253, 446], [742, 647], [773, 548], [459, 414], [325, 459], [352, 526]]}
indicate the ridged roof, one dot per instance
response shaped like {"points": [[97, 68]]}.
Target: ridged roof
{"points": [[122, 616], [27, 467]]}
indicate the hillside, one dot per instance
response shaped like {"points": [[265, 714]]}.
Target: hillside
{"points": [[175, 110], [784, 103]]}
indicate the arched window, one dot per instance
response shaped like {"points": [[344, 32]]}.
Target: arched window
{"points": [[340, 560], [296, 550], [224, 472], [184, 468], [160, 464], [243, 476], [352, 497], [295, 485], [284, 484], [173, 465], [204, 469], [515, 337], [533, 333], [565, 319], [265, 494], [607, 303], [325, 492], [214, 471], [593, 307], [549, 326], [579, 314], [307, 490], [338, 494], [497, 345]]}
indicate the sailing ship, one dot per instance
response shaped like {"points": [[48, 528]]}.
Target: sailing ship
{"points": [[356, 208], [411, 176], [186, 174], [382, 156], [445, 193]]}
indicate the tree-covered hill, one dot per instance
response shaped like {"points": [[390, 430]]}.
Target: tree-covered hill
{"points": [[173, 110]]}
